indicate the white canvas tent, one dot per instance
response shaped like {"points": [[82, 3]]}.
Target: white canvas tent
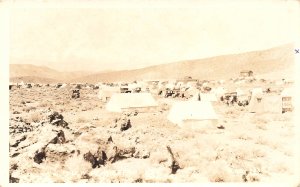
{"points": [[191, 84], [105, 93], [257, 92], [287, 92], [240, 92], [242, 95], [220, 91], [193, 114], [170, 86], [143, 85], [265, 104], [126, 101]]}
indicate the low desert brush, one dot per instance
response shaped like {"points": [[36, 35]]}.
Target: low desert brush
{"points": [[82, 120], [28, 109], [44, 104], [36, 117]]}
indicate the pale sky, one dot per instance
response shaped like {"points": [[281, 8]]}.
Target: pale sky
{"points": [[134, 35]]}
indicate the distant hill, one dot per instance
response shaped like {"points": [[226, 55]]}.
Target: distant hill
{"points": [[42, 74], [279, 59], [33, 79]]}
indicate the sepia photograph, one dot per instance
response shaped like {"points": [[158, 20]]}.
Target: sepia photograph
{"points": [[153, 91]]}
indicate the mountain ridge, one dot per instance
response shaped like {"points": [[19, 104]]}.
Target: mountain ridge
{"points": [[217, 67]]}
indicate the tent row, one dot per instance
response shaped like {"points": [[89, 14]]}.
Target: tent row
{"points": [[195, 109]]}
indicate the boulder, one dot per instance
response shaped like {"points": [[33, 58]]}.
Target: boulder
{"points": [[57, 119], [91, 158], [60, 138], [125, 125], [75, 94], [39, 155]]}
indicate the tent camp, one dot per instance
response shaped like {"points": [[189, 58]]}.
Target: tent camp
{"points": [[126, 101], [193, 114]]}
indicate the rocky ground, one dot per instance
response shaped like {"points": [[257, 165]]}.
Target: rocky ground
{"points": [[54, 138]]}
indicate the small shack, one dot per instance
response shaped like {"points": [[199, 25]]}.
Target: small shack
{"points": [[246, 73], [287, 100]]}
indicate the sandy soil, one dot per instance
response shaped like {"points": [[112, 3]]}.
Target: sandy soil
{"points": [[251, 147]]}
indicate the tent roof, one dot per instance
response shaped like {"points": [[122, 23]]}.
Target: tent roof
{"points": [[257, 92], [121, 101], [287, 92], [268, 104], [219, 90], [191, 110], [240, 92], [170, 85]]}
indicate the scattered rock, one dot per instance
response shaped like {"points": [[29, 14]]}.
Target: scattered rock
{"points": [[13, 179], [60, 138], [139, 180], [78, 86], [125, 125], [59, 152], [86, 176], [75, 93], [19, 141], [14, 167], [96, 119], [39, 155], [142, 154], [14, 155], [20, 126], [244, 176], [91, 158], [110, 140], [247, 177], [137, 140], [119, 154], [100, 156], [57, 119]]}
